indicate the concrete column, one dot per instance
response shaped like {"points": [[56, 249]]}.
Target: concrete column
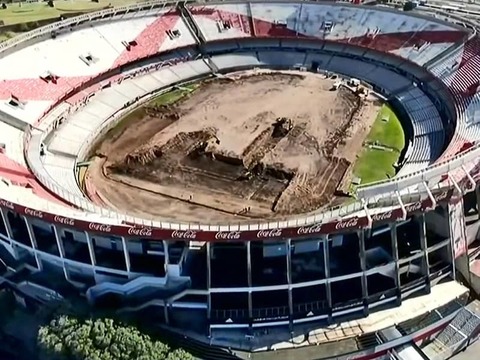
{"points": [[91, 251], [126, 255], [208, 252], [6, 223], [326, 257], [165, 312], [477, 196], [393, 236], [167, 256], [249, 279], [289, 279], [363, 266], [3, 213], [33, 241], [451, 245], [61, 251], [424, 248]]}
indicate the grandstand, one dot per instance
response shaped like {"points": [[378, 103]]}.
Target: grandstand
{"points": [[381, 266]]}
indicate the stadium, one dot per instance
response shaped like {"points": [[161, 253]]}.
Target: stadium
{"points": [[256, 175]]}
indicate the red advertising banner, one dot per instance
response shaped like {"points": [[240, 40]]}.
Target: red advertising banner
{"points": [[138, 231]]}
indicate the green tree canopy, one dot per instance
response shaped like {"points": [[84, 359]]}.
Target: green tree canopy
{"points": [[102, 339]]}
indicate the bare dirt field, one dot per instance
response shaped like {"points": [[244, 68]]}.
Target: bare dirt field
{"points": [[255, 146]]}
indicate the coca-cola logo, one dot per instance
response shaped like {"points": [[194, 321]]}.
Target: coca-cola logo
{"points": [[184, 234], [227, 235], [139, 231], [272, 233], [413, 207], [442, 196], [63, 220], [313, 229], [7, 204], [346, 224], [34, 213], [382, 216], [100, 227]]}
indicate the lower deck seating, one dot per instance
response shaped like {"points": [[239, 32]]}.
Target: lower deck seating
{"points": [[62, 169], [232, 61]]}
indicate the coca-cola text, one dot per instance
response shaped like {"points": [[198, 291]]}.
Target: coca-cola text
{"points": [[33, 213], [140, 231], [346, 224], [63, 220], [184, 234], [7, 204], [100, 227], [228, 235], [271, 233], [306, 230], [382, 216]]}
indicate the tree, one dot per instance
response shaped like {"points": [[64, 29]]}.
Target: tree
{"points": [[409, 6], [102, 339]]}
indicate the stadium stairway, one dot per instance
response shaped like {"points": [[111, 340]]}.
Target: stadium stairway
{"points": [[457, 335], [13, 121], [136, 292], [445, 54], [191, 24]]}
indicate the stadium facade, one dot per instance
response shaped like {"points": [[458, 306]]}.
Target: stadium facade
{"points": [[399, 239]]}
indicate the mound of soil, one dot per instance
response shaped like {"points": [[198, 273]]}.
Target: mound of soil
{"points": [[252, 147]]}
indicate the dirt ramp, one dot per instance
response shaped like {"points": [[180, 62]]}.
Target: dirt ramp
{"points": [[154, 157], [307, 192], [338, 138], [142, 157], [265, 142]]}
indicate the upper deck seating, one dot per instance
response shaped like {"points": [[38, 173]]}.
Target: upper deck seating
{"points": [[448, 65], [92, 50], [415, 38], [39, 74], [166, 31], [18, 175], [222, 21], [11, 143], [462, 77]]}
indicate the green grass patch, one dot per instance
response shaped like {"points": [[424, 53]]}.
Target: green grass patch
{"points": [[173, 96], [27, 12], [167, 98], [6, 35], [376, 164]]}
